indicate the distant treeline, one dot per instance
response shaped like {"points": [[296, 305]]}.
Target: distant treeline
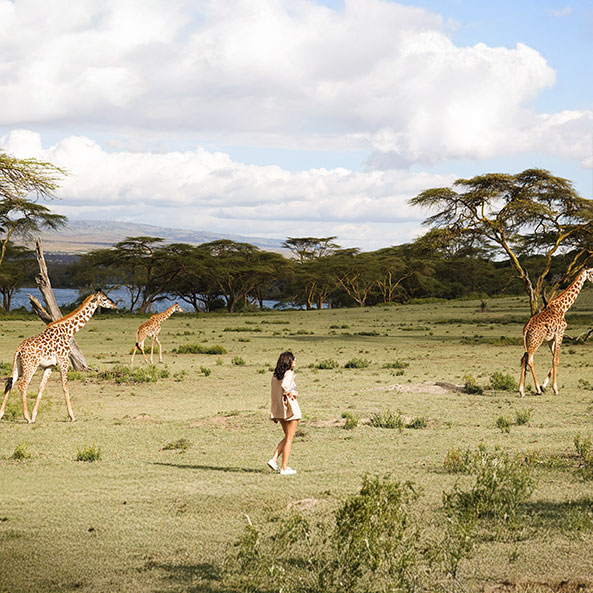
{"points": [[239, 276]]}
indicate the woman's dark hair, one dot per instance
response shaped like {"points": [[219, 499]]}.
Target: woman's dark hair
{"points": [[284, 364]]}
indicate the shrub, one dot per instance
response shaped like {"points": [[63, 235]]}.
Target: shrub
{"points": [[206, 371], [5, 368], [584, 448], [396, 364], [419, 422], [180, 375], [504, 424], [458, 461], [328, 364], [199, 349], [89, 453], [20, 452], [180, 444], [523, 416], [357, 363], [471, 386], [238, 361], [351, 420], [500, 382], [124, 374], [502, 483], [387, 419], [242, 329]]}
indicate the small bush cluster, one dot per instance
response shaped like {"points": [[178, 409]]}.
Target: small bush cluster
{"points": [[500, 382], [502, 483], [352, 420], [372, 542], [357, 363], [504, 423], [179, 445], [584, 448], [327, 364], [387, 419], [5, 368], [522, 417], [396, 364], [205, 371], [21, 452], [242, 329], [124, 374], [89, 453], [238, 361], [471, 386], [199, 349]]}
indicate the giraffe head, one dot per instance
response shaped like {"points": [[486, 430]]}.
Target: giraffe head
{"points": [[102, 301], [177, 308], [589, 274]]}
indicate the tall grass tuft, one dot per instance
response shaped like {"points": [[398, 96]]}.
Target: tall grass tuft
{"points": [[357, 363], [387, 419], [584, 448], [351, 420], [89, 453], [199, 349], [21, 452], [500, 382]]}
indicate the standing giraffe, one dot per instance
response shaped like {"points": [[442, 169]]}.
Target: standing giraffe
{"points": [[152, 327], [548, 326], [48, 349]]}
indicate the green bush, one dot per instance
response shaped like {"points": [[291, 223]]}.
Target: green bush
{"points": [[242, 329], [327, 364], [21, 452], [503, 482], [123, 374], [89, 453], [205, 371], [419, 422], [584, 448], [471, 386], [5, 368], [396, 364], [199, 349], [372, 543], [504, 424], [180, 444], [523, 416], [387, 419], [238, 361], [458, 461], [351, 420], [357, 363], [500, 382]]}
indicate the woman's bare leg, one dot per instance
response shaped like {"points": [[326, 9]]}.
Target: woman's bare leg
{"points": [[289, 427]]}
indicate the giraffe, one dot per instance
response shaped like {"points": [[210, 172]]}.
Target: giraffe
{"points": [[48, 349], [548, 326], [152, 327]]}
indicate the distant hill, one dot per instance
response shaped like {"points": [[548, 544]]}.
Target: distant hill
{"points": [[81, 236]]}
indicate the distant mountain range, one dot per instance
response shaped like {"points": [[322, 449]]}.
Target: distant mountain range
{"points": [[81, 236]]}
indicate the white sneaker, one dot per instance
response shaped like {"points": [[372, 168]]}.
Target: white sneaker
{"points": [[273, 465], [287, 472]]}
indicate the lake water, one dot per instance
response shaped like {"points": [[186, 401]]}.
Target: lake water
{"points": [[66, 296]]}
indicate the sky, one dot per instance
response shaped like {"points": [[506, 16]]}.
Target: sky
{"points": [[292, 118]]}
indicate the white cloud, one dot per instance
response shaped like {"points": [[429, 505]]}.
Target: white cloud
{"points": [[562, 12], [374, 75], [207, 190]]}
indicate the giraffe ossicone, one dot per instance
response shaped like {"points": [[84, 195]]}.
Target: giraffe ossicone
{"points": [[152, 328], [549, 326], [52, 347]]}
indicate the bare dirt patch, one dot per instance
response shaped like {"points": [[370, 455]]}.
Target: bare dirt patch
{"points": [[439, 388]]}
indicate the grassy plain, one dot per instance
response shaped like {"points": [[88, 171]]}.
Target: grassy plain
{"points": [[147, 516]]}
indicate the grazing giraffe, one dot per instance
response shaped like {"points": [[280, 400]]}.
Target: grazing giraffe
{"points": [[152, 327], [548, 326], [50, 348]]}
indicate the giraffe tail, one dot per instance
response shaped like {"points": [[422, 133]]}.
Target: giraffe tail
{"points": [[15, 374]]}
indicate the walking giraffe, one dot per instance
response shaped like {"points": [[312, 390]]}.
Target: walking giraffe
{"points": [[548, 326], [152, 327], [48, 349]]}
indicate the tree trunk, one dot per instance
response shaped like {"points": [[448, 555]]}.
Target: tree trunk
{"points": [[43, 283]]}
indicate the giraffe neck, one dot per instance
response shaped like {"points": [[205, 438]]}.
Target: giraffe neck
{"points": [[567, 297], [166, 314], [78, 318]]}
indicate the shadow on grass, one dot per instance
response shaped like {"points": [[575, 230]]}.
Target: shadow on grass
{"points": [[567, 516], [190, 578], [216, 468]]}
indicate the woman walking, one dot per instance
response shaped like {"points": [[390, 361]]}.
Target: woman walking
{"points": [[285, 409]]}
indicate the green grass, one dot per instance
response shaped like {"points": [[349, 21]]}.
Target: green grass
{"points": [[148, 518]]}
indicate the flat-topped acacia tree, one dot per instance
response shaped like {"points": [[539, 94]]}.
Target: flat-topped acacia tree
{"points": [[22, 183], [529, 213]]}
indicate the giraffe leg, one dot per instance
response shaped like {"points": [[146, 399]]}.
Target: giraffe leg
{"points": [[555, 364], [23, 384], [6, 394], [522, 380], [63, 362], [538, 390], [152, 348], [160, 351], [552, 346], [44, 378]]}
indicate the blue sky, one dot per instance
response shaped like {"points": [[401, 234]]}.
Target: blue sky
{"points": [[282, 118]]}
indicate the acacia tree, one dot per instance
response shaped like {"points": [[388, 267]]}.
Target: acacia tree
{"points": [[310, 248], [22, 183], [530, 212], [19, 263]]}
